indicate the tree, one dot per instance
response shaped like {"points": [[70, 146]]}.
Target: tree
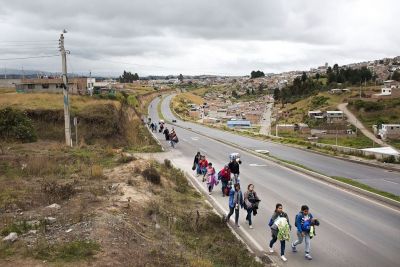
{"points": [[304, 77], [317, 76], [247, 91], [180, 78], [252, 91], [396, 75], [128, 77], [256, 74], [277, 94]]}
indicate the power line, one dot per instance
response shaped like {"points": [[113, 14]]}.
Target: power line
{"points": [[17, 58], [43, 41]]}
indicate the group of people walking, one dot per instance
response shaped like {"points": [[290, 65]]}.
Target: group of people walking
{"points": [[170, 136], [279, 223]]}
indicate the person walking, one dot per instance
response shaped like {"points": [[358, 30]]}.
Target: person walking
{"points": [[275, 222], [173, 138], [234, 168], [225, 176], [303, 222], [166, 133], [211, 180], [155, 127], [250, 203], [196, 165], [235, 203], [203, 166]]}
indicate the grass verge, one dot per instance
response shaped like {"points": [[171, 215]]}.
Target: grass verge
{"points": [[366, 187]]}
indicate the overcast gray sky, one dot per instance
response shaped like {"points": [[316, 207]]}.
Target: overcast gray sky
{"points": [[227, 37]]}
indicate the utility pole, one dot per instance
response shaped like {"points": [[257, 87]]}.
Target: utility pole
{"points": [[68, 140]]}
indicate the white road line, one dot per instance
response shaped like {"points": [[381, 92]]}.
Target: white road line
{"points": [[194, 138], [184, 139], [390, 181], [257, 165]]}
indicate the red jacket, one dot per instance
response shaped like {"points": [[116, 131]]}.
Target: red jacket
{"points": [[203, 163], [225, 175]]}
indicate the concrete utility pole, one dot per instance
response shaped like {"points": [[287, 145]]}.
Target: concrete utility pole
{"points": [[67, 120]]}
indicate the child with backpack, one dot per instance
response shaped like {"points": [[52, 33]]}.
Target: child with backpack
{"points": [[225, 176], [303, 223], [211, 179], [280, 229]]}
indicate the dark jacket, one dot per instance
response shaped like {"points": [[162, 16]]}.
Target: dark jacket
{"points": [[234, 167], [196, 159], [249, 203], [166, 133]]}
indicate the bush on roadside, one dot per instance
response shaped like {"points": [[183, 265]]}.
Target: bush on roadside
{"points": [[16, 126], [151, 174]]}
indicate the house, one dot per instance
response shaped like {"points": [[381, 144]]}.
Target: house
{"points": [[211, 120], [390, 90], [238, 124], [315, 114], [334, 116], [195, 113], [54, 85], [389, 131], [253, 116]]}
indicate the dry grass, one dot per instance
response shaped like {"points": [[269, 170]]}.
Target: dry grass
{"points": [[48, 101], [96, 172], [192, 98]]}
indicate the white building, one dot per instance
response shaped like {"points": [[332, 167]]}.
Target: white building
{"points": [[391, 131], [334, 116]]}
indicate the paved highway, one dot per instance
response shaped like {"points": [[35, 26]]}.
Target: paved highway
{"points": [[354, 231], [376, 177]]}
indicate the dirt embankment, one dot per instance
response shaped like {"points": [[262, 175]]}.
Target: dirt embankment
{"points": [[133, 213]]}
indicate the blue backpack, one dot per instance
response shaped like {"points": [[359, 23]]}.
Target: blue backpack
{"points": [[306, 226]]}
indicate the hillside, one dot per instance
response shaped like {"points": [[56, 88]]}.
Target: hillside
{"points": [[99, 120], [95, 204]]}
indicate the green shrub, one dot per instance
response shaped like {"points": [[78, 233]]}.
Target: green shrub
{"points": [[15, 125], [151, 174]]}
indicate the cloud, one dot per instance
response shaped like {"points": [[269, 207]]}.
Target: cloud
{"points": [[225, 36]]}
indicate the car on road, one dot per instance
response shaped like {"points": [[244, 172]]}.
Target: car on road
{"points": [[173, 120]]}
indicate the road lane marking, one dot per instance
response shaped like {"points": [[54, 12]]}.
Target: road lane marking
{"points": [[390, 181], [203, 150], [257, 165], [194, 138], [307, 176], [184, 139]]}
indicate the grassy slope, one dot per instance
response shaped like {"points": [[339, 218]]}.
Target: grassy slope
{"points": [[299, 110], [390, 114], [48, 101]]}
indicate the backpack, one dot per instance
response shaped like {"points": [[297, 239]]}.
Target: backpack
{"points": [[306, 226]]}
